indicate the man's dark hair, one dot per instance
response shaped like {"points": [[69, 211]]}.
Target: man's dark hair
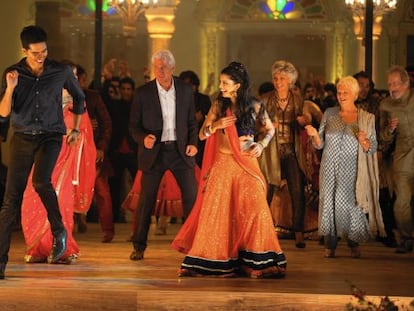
{"points": [[32, 34], [69, 63], [80, 70], [363, 74], [127, 80], [190, 75], [265, 87], [409, 68], [330, 87]]}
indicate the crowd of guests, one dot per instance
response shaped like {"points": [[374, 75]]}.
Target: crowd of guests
{"points": [[341, 144], [226, 160]]}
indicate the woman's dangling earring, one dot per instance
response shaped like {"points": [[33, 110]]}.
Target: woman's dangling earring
{"points": [[233, 93]]}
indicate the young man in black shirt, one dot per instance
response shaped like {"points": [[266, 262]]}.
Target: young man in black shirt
{"points": [[31, 94]]}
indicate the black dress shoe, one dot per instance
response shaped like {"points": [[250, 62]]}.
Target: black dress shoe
{"points": [[2, 270], [300, 245], [405, 246], [137, 255], [59, 247]]}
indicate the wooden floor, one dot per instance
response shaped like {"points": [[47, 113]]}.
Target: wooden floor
{"points": [[104, 278]]}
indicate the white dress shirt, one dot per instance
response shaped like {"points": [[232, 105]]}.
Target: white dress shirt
{"points": [[167, 100]]}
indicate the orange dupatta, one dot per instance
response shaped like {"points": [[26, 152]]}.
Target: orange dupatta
{"points": [[184, 239]]}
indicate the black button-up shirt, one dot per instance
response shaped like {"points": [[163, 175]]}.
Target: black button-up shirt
{"points": [[37, 101]]}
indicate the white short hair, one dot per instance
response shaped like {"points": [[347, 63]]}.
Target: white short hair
{"points": [[166, 56], [287, 68], [351, 83]]}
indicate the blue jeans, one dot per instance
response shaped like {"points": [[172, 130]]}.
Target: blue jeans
{"points": [[26, 151]]}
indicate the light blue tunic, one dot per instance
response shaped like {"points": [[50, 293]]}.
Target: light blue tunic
{"points": [[338, 213]]}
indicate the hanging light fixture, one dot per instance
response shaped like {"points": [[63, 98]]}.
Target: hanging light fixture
{"points": [[381, 7], [130, 10]]}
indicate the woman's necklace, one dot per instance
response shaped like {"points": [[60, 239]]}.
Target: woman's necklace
{"points": [[282, 102]]}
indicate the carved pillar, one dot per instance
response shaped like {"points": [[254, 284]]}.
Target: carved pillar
{"points": [[48, 17], [393, 35], [330, 72], [209, 54], [376, 33], [160, 26], [339, 44]]}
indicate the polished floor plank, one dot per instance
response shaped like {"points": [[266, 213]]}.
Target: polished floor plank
{"points": [[104, 278]]}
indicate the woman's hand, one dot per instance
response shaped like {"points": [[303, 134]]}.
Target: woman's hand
{"points": [[72, 137], [223, 123], [302, 120], [255, 150], [363, 140], [311, 131], [99, 155]]}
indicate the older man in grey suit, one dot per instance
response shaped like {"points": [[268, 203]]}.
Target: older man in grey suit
{"points": [[163, 124], [396, 129]]}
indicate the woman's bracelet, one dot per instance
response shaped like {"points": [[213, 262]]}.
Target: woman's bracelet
{"points": [[268, 137], [262, 143], [207, 131]]}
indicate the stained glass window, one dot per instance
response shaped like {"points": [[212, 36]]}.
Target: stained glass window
{"points": [[88, 7], [276, 9]]}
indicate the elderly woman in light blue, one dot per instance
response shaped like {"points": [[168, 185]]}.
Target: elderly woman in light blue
{"points": [[348, 177]]}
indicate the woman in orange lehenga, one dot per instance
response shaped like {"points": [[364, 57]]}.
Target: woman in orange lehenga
{"points": [[230, 229], [73, 179]]}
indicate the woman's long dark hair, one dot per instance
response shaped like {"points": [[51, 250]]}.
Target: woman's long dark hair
{"points": [[245, 109]]}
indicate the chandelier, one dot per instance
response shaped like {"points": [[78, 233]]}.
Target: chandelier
{"points": [[130, 10], [381, 7]]}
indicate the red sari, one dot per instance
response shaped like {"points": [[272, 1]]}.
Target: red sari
{"points": [[168, 196], [230, 229], [74, 179]]}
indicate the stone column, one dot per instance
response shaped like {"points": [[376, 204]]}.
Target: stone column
{"points": [[209, 55], [160, 26], [48, 17], [393, 35], [330, 72], [339, 44]]}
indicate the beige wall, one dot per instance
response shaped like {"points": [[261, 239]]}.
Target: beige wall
{"points": [[185, 43], [14, 15]]}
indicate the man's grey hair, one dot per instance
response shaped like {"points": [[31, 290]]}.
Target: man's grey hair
{"points": [[405, 78], [166, 56]]}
